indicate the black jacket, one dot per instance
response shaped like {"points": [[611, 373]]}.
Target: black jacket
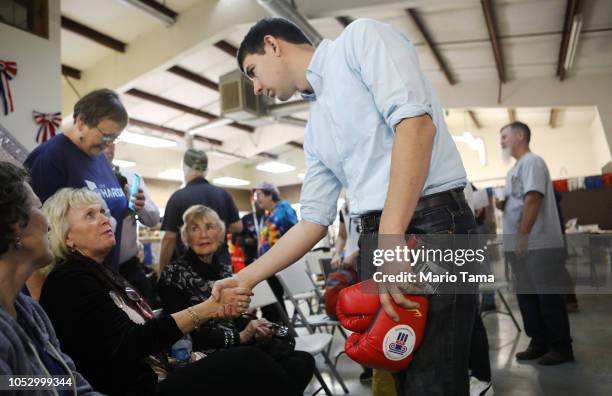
{"points": [[107, 347]]}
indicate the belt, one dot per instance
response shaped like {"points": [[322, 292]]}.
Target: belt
{"points": [[369, 222]]}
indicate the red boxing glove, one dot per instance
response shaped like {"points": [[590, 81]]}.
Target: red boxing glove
{"points": [[378, 341]]}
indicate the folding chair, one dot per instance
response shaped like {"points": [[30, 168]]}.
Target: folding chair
{"points": [[496, 287], [312, 343]]}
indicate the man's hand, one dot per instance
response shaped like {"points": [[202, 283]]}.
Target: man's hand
{"points": [[500, 204], [522, 243], [139, 200], [233, 297], [351, 261], [336, 261]]}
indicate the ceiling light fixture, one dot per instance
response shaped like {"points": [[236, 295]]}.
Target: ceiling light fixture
{"points": [[123, 163], [573, 41], [145, 140], [302, 175], [230, 181], [275, 167], [171, 174]]}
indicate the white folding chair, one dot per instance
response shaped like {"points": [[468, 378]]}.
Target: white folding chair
{"points": [[314, 344], [296, 281]]}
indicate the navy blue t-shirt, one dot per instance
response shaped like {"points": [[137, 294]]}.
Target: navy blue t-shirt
{"points": [[59, 163]]}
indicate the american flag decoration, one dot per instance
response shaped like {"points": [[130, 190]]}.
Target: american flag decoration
{"points": [[8, 70], [49, 123]]}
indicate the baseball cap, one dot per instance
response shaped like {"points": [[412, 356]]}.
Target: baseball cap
{"points": [[268, 187], [196, 159]]}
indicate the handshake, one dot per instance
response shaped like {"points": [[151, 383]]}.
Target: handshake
{"points": [[230, 298]]}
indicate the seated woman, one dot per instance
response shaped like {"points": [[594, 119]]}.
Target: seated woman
{"points": [[189, 280], [28, 345], [112, 334]]}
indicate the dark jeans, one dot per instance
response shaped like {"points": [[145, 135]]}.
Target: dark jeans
{"points": [[479, 351], [239, 371], [440, 365], [544, 313]]}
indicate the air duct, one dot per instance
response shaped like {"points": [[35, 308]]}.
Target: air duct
{"points": [[285, 10]]}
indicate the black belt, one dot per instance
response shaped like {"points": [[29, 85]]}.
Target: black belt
{"points": [[369, 222]]}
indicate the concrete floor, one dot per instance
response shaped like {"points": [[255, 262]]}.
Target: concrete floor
{"points": [[591, 374]]}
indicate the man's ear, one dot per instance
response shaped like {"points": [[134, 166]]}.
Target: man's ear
{"points": [[272, 43]]}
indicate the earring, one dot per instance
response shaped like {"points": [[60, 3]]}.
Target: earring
{"points": [[71, 247], [18, 244]]}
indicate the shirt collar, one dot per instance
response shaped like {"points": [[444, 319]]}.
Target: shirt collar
{"points": [[197, 180], [314, 73]]}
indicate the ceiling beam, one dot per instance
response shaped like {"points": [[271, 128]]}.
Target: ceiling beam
{"points": [[554, 118], [489, 15], [172, 131], [184, 108], [413, 13], [296, 144], [71, 72], [344, 20], [512, 115], [155, 9], [92, 34], [227, 48], [570, 11], [194, 77], [472, 115]]}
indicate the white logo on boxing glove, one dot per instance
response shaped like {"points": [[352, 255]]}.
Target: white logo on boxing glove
{"points": [[399, 342]]}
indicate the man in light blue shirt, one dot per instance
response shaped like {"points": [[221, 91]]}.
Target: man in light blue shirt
{"points": [[375, 127]]}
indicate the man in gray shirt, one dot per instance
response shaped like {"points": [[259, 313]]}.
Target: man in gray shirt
{"points": [[533, 244]]}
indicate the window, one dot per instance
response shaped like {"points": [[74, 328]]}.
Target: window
{"points": [[29, 15]]}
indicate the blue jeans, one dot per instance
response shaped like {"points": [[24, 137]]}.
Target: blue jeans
{"points": [[440, 366]]}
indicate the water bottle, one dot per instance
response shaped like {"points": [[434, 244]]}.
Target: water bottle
{"points": [[181, 351]]}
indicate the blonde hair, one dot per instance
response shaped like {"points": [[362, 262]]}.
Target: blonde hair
{"points": [[199, 211], [56, 209]]}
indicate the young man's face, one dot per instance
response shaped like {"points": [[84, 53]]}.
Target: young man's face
{"points": [[269, 72]]}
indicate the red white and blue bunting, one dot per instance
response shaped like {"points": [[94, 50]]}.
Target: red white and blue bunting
{"points": [[49, 123], [8, 70]]}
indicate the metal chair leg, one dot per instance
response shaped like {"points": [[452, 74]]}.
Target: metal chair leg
{"points": [[334, 371], [501, 296], [324, 386]]}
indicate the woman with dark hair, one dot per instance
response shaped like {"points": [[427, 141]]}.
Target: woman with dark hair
{"points": [[189, 280], [111, 333], [28, 345], [75, 159]]}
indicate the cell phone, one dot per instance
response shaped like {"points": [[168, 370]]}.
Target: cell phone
{"points": [[133, 190]]}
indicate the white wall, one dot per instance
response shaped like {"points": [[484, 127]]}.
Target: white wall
{"points": [[601, 154], [37, 85], [568, 151]]}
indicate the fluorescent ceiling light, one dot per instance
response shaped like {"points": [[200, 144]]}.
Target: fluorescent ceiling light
{"points": [[171, 174], [123, 163], [301, 175], [210, 125], [275, 167], [230, 181], [474, 143], [573, 41], [145, 140]]}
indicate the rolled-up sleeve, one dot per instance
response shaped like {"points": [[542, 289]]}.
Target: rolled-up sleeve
{"points": [[389, 66], [320, 192]]}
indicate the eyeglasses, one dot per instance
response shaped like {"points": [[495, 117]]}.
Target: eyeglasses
{"points": [[144, 308], [107, 137]]}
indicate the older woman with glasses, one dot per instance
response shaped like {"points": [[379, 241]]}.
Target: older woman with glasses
{"points": [[28, 345], [75, 159], [111, 333], [189, 280]]}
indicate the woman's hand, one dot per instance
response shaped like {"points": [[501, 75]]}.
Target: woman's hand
{"points": [[259, 329], [232, 302]]}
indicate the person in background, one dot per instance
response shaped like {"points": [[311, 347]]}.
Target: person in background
{"points": [[571, 299], [533, 244], [28, 344], [280, 217], [189, 280], [197, 191], [252, 223], [346, 248], [148, 214], [111, 333], [75, 158]]}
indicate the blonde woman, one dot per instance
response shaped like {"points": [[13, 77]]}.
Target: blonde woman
{"points": [[108, 329]]}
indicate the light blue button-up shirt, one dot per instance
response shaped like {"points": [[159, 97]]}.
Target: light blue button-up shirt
{"points": [[366, 82]]}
